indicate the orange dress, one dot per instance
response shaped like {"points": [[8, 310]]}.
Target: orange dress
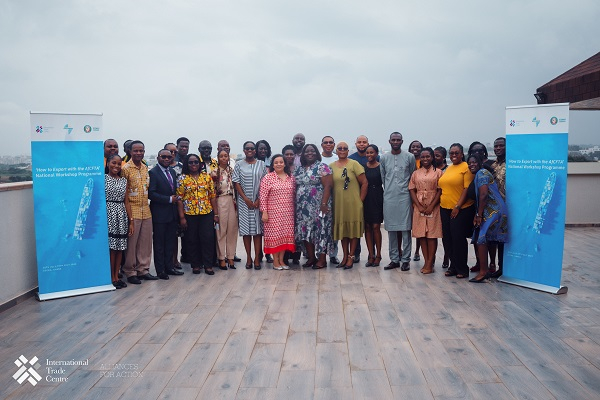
{"points": [[426, 183]]}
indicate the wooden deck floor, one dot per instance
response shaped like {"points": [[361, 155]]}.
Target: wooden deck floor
{"points": [[328, 334]]}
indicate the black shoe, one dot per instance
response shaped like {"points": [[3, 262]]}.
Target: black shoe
{"points": [[405, 266], [296, 261], [163, 275], [356, 258], [269, 258], [120, 275], [117, 285], [121, 283], [209, 272], [257, 266], [134, 280], [148, 277], [392, 265], [496, 274], [334, 260], [480, 280], [174, 272], [236, 259], [178, 266]]}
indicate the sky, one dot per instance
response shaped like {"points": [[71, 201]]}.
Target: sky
{"points": [[437, 71]]}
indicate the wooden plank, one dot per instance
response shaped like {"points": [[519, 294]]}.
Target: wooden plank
{"points": [[256, 393], [300, 351], [537, 361], [521, 383], [489, 391], [195, 368], [363, 351], [358, 317], [494, 350], [353, 293], [446, 383], [198, 319], [236, 352], [470, 363], [222, 323], [275, 328], [332, 365], [164, 328], [331, 328], [296, 385], [401, 365], [172, 354], [333, 393], [264, 365], [221, 385], [586, 375], [282, 301], [150, 386], [330, 301], [371, 384], [112, 352], [428, 349], [180, 393], [584, 346], [416, 392]]}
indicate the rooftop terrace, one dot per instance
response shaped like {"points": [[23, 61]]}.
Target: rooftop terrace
{"points": [[328, 334]]}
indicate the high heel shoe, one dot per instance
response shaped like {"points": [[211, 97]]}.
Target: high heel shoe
{"points": [[377, 261], [342, 263], [222, 265], [480, 280], [496, 274], [351, 261], [369, 262], [230, 264]]}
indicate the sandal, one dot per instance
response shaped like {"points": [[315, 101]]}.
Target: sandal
{"points": [[309, 263], [196, 270], [461, 276], [450, 273]]}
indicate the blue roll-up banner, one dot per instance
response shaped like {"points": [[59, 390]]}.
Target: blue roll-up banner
{"points": [[536, 195], [71, 232]]}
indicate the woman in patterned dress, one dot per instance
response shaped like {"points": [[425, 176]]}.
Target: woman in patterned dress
{"points": [[198, 213], [228, 226], [118, 212], [425, 195], [246, 178], [277, 191], [313, 206], [490, 220]]}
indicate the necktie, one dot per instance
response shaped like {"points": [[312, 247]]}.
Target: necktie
{"points": [[169, 178]]}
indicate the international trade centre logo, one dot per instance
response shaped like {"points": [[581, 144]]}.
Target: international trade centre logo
{"points": [[27, 372], [87, 129]]}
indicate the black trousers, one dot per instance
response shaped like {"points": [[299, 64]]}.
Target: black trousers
{"points": [[455, 232], [200, 237], [163, 241]]}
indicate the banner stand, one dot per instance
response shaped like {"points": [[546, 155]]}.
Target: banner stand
{"points": [[69, 205], [534, 285], [536, 195]]}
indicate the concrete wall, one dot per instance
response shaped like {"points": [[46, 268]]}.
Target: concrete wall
{"points": [[18, 264], [583, 194]]}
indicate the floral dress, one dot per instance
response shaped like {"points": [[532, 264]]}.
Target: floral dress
{"points": [[494, 221], [310, 226]]}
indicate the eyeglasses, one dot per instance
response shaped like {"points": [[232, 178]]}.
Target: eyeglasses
{"points": [[345, 175], [249, 148], [193, 162], [166, 157], [173, 151], [328, 142], [342, 149]]}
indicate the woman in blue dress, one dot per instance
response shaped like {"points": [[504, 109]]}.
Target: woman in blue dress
{"points": [[313, 206], [490, 222]]}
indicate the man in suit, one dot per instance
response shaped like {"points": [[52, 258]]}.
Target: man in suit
{"points": [[163, 205]]}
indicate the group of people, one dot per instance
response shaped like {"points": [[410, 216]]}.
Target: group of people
{"points": [[303, 200]]}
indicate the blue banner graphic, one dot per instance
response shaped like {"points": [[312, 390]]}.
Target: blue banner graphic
{"points": [[536, 186], [70, 214]]}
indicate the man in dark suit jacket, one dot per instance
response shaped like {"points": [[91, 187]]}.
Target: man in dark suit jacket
{"points": [[163, 205]]}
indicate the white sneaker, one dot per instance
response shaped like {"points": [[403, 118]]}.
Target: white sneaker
{"points": [[278, 268], [285, 266]]}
